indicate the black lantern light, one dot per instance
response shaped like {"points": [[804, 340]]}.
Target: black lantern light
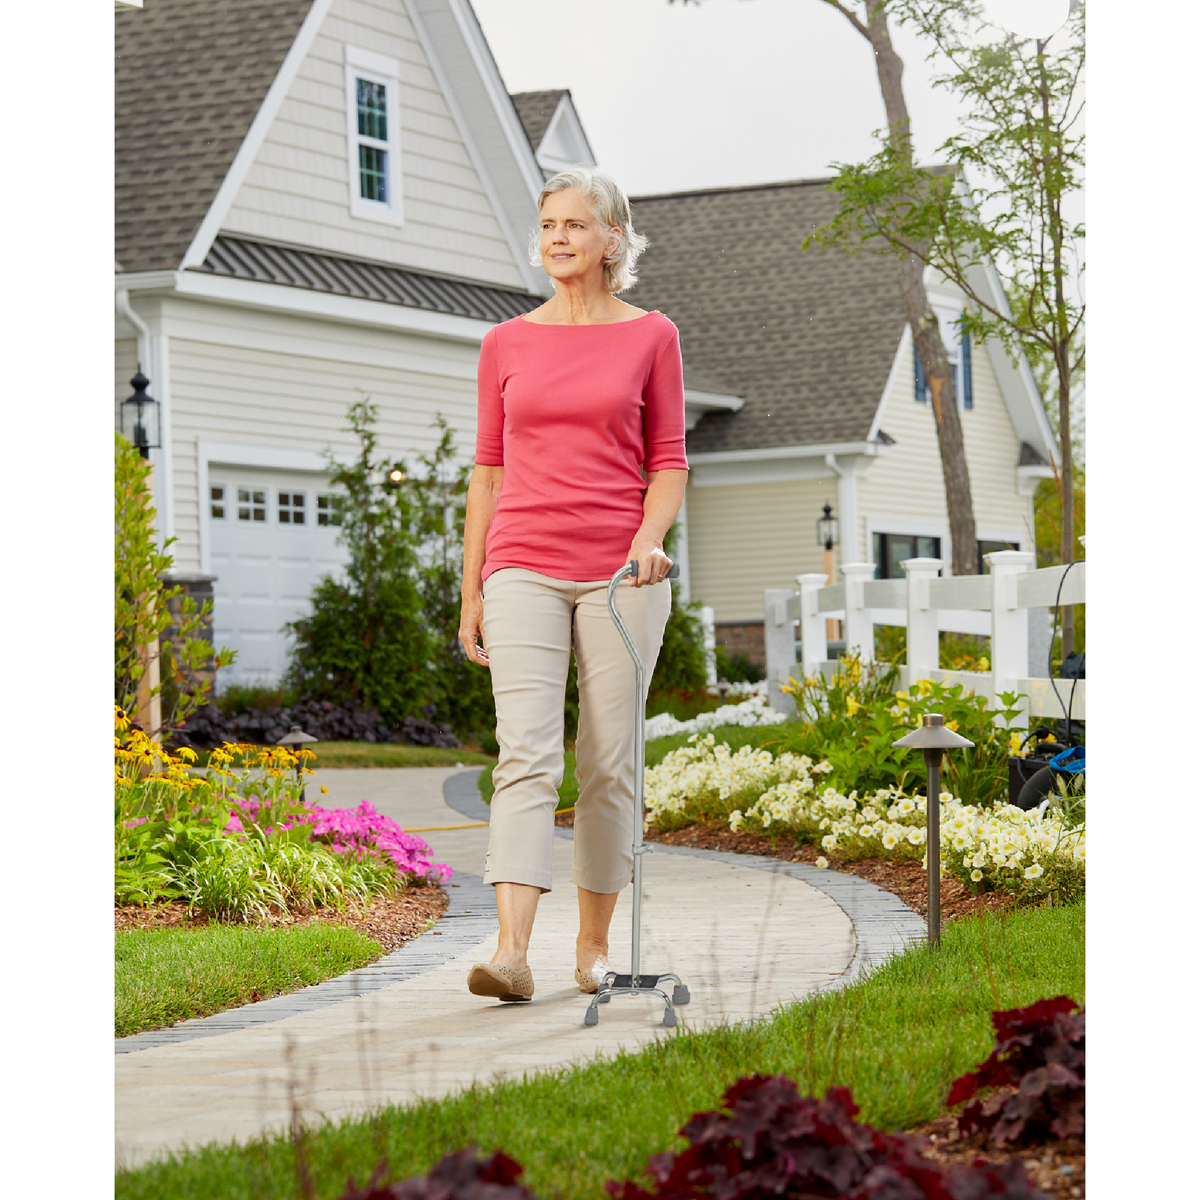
{"points": [[827, 529], [394, 476], [139, 417]]}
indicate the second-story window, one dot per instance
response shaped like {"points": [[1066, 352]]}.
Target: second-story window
{"points": [[958, 351], [372, 130]]}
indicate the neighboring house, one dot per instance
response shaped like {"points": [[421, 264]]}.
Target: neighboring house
{"points": [[316, 200], [323, 199], [835, 411]]}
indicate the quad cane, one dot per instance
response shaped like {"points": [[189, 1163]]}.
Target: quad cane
{"points": [[636, 983]]}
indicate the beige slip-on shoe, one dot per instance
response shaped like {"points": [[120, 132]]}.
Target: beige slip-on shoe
{"points": [[590, 981], [500, 982]]}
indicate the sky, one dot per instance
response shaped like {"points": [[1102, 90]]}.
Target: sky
{"points": [[675, 97]]}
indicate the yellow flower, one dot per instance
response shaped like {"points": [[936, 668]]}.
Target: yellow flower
{"points": [[324, 790], [852, 705], [984, 664], [187, 753]]}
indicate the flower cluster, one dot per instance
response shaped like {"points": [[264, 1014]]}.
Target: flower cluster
{"points": [[364, 827], [1002, 847], [706, 776], [754, 710]]}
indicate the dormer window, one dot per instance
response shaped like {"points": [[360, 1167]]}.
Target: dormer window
{"points": [[958, 352], [372, 133]]}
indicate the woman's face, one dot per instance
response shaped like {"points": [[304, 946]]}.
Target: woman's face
{"points": [[573, 241]]}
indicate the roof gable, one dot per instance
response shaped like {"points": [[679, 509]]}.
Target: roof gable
{"points": [[191, 75], [808, 339], [554, 130]]}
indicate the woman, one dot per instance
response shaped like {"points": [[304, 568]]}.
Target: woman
{"points": [[576, 400]]}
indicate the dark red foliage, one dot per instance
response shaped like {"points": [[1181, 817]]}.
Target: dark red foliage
{"points": [[459, 1176], [1039, 1051], [769, 1141]]}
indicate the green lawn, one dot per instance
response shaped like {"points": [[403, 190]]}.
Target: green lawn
{"points": [[386, 754], [166, 975], [656, 751], [898, 1038]]}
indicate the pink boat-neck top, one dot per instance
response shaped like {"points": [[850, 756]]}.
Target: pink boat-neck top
{"points": [[572, 412]]}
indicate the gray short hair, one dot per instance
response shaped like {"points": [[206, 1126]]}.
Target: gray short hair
{"points": [[610, 206]]}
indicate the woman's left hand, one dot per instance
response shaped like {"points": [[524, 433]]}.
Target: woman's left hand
{"points": [[653, 564]]}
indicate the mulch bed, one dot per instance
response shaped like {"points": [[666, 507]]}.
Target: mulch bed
{"points": [[903, 878], [389, 920], [1054, 1168]]}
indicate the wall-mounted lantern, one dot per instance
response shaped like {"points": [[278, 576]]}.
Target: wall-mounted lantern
{"points": [[140, 417]]}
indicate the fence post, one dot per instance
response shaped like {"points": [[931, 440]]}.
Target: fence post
{"points": [[708, 627], [779, 642], [860, 628], [814, 645], [921, 636], [1010, 624]]}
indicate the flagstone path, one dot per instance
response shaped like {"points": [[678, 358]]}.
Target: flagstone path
{"points": [[745, 933]]}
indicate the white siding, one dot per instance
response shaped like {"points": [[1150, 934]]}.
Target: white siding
{"points": [[906, 486], [262, 379], [298, 189], [126, 368], [747, 537]]}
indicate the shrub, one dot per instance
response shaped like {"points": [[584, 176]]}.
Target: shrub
{"points": [[459, 1176], [853, 719], [737, 667], [1039, 1051], [141, 609], [770, 1141], [385, 637]]}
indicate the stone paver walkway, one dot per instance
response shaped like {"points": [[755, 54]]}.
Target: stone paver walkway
{"points": [[745, 934]]}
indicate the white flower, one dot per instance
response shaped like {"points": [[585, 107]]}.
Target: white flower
{"points": [[822, 862], [976, 875], [829, 842], [889, 840], [1034, 872]]}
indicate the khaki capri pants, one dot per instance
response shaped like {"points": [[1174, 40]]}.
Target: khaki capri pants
{"points": [[531, 623]]}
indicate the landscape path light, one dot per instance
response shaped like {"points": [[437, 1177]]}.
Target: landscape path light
{"points": [[933, 739], [293, 740]]}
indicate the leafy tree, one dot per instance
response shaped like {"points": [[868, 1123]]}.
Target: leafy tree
{"points": [[927, 338], [364, 639], [148, 639], [386, 636], [1003, 215]]}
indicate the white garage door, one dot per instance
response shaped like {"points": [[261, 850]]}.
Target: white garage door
{"points": [[272, 535]]}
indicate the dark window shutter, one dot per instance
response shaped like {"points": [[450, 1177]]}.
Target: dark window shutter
{"points": [[919, 377], [965, 354]]}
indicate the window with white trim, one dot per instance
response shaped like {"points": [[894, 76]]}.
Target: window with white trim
{"points": [[291, 508], [373, 135], [217, 501], [252, 504], [958, 350], [329, 509]]}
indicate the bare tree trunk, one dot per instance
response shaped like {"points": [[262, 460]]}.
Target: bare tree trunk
{"points": [[927, 338]]}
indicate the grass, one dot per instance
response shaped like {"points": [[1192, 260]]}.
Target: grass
{"points": [[656, 751], [897, 1038], [385, 754], [166, 975]]}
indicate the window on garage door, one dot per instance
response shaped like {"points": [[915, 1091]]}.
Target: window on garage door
{"points": [[252, 504]]}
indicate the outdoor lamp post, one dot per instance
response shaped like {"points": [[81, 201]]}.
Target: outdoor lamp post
{"points": [[932, 739], [139, 417], [394, 476], [827, 537], [293, 740]]}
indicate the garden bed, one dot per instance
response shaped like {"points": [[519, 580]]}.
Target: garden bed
{"points": [[389, 920]]}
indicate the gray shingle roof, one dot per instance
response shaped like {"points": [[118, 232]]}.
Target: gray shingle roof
{"points": [[190, 77], [536, 109], [807, 339], [295, 266]]}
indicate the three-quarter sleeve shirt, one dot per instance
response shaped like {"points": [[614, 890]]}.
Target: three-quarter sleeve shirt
{"points": [[575, 414]]}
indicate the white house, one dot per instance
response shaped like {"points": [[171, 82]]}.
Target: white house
{"points": [[321, 199]]}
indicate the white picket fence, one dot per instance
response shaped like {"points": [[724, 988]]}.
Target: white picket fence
{"points": [[1011, 605]]}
